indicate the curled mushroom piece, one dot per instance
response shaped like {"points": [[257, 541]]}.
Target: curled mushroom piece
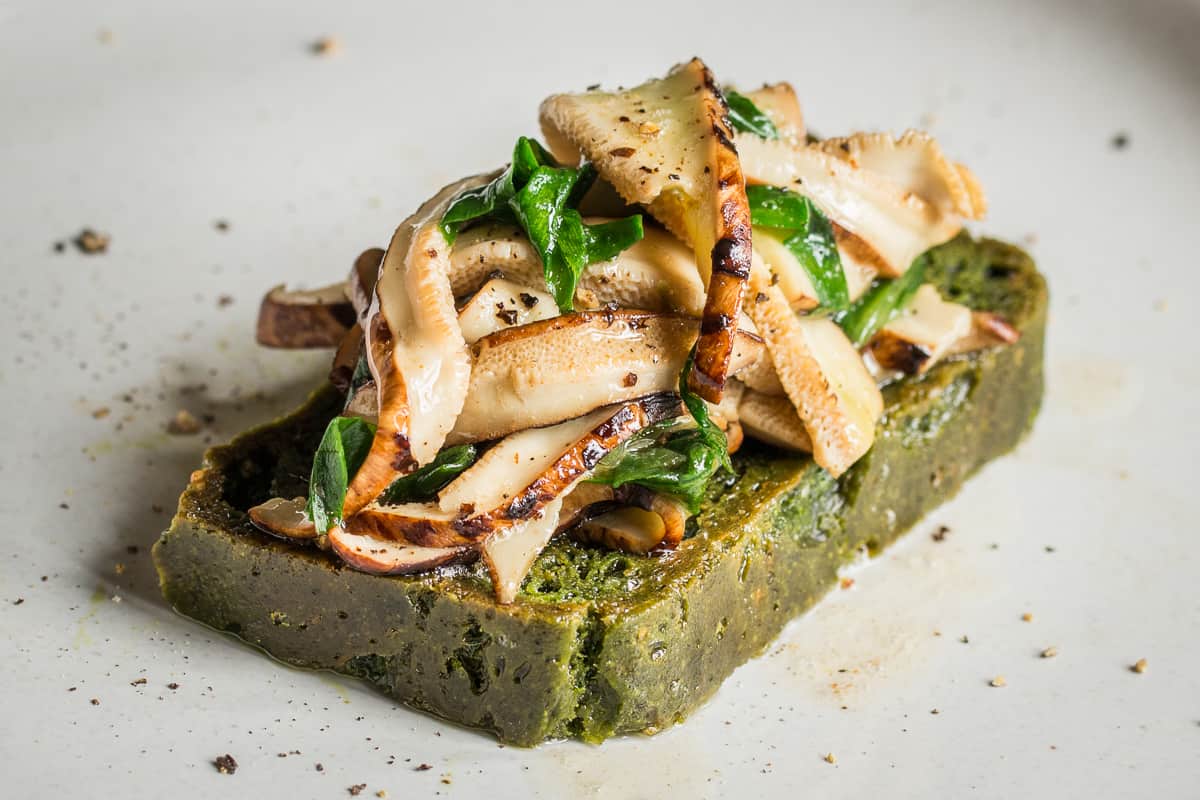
{"points": [[510, 553], [345, 358], [560, 368], [415, 349], [304, 318], [988, 329], [680, 162], [628, 528], [516, 478], [657, 273], [383, 557], [286, 518]]}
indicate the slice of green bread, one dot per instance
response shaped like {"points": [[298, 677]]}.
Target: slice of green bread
{"points": [[601, 642]]}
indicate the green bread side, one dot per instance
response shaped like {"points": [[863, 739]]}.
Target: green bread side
{"points": [[599, 642]]}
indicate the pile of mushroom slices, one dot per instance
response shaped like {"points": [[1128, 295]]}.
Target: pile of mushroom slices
{"points": [[466, 345]]}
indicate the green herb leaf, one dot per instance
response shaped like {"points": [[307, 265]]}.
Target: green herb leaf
{"points": [[424, 484], [882, 303], [343, 449], [808, 235], [680, 463], [543, 198], [746, 117]]}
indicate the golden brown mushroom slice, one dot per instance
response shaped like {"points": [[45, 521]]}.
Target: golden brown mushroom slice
{"points": [[516, 478], [772, 419], [557, 369], [628, 528], [667, 144], [415, 349], [923, 333], [286, 518], [304, 318]]}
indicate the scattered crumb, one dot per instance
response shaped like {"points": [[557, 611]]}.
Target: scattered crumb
{"points": [[1027, 617], [1030, 239], [326, 46], [157, 509], [222, 225], [1140, 666], [964, 639], [131, 549], [356, 789], [119, 568], [90, 242], [101, 413], [381, 793], [847, 583], [928, 119], [998, 681], [104, 36], [446, 779], [224, 301], [1160, 305], [1049, 548], [1119, 141], [940, 534], [1049, 652], [63, 506], [183, 423], [830, 758], [60, 247], [138, 682], [226, 765], [320, 767], [18, 601], [172, 686], [422, 767], [95, 701], [934, 711]]}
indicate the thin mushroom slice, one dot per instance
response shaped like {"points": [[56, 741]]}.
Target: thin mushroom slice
{"points": [[822, 374], [516, 478], [667, 144], [779, 102], [772, 419], [383, 557], [558, 369], [501, 304], [345, 358], [923, 333], [657, 273], [415, 349], [879, 221], [304, 318], [510, 553], [286, 518]]}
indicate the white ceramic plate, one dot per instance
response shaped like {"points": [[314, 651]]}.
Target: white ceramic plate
{"points": [[174, 119]]}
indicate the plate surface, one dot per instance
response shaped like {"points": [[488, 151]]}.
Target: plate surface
{"points": [[1080, 118]]}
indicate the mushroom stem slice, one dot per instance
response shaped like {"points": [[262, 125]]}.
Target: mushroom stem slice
{"points": [[286, 518], [415, 350], [557, 369], [304, 318], [510, 553], [667, 144], [383, 557]]}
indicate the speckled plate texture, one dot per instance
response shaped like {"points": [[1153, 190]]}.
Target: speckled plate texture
{"points": [[223, 154]]}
